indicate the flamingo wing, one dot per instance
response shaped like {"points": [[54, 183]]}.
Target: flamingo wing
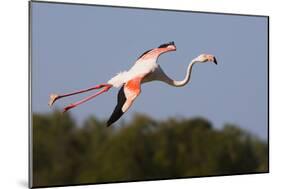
{"points": [[126, 96]]}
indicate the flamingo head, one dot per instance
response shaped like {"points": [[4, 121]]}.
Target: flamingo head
{"points": [[206, 58]]}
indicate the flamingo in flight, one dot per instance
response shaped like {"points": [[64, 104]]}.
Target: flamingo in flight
{"points": [[144, 70]]}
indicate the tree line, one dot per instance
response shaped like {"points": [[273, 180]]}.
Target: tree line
{"points": [[141, 149]]}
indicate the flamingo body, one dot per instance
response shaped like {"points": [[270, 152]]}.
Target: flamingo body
{"points": [[141, 67]]}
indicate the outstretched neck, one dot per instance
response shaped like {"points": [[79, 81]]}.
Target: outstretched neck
{"points": [[186, 79]]}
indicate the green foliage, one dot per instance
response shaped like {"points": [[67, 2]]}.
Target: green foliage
{"points": [[142, 149]]}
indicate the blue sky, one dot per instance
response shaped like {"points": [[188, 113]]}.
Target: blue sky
{"points": [[75, 47]]}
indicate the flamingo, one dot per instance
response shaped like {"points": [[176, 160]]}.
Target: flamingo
{"points": [[144, 70]]}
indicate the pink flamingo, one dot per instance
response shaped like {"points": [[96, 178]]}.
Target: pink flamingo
{"points": [[144, 70]]}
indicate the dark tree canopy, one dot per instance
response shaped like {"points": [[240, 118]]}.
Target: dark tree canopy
{"points": [[142, 149]]}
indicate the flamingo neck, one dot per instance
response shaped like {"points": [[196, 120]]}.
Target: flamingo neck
{"points": [[186, 79]]}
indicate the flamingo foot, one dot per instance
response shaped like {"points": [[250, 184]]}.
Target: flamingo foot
{"points": [[53, 98], [68, 107]]}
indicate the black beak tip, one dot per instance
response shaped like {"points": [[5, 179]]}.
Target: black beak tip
{"points": [[215, 61], [172, 43]]}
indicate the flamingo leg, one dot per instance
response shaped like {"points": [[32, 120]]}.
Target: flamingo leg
{"points": [[55, 97], [106, 88]]}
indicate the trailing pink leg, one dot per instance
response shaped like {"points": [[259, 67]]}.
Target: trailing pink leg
{"points": [[55, 97], [106, 88]]}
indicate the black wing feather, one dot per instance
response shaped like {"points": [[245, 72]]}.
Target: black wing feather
{"points": [[117, 113], [167, 44], [144, 53]]}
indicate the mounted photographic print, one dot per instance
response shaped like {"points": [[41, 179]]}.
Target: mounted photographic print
{"points": [[121, 94]]}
